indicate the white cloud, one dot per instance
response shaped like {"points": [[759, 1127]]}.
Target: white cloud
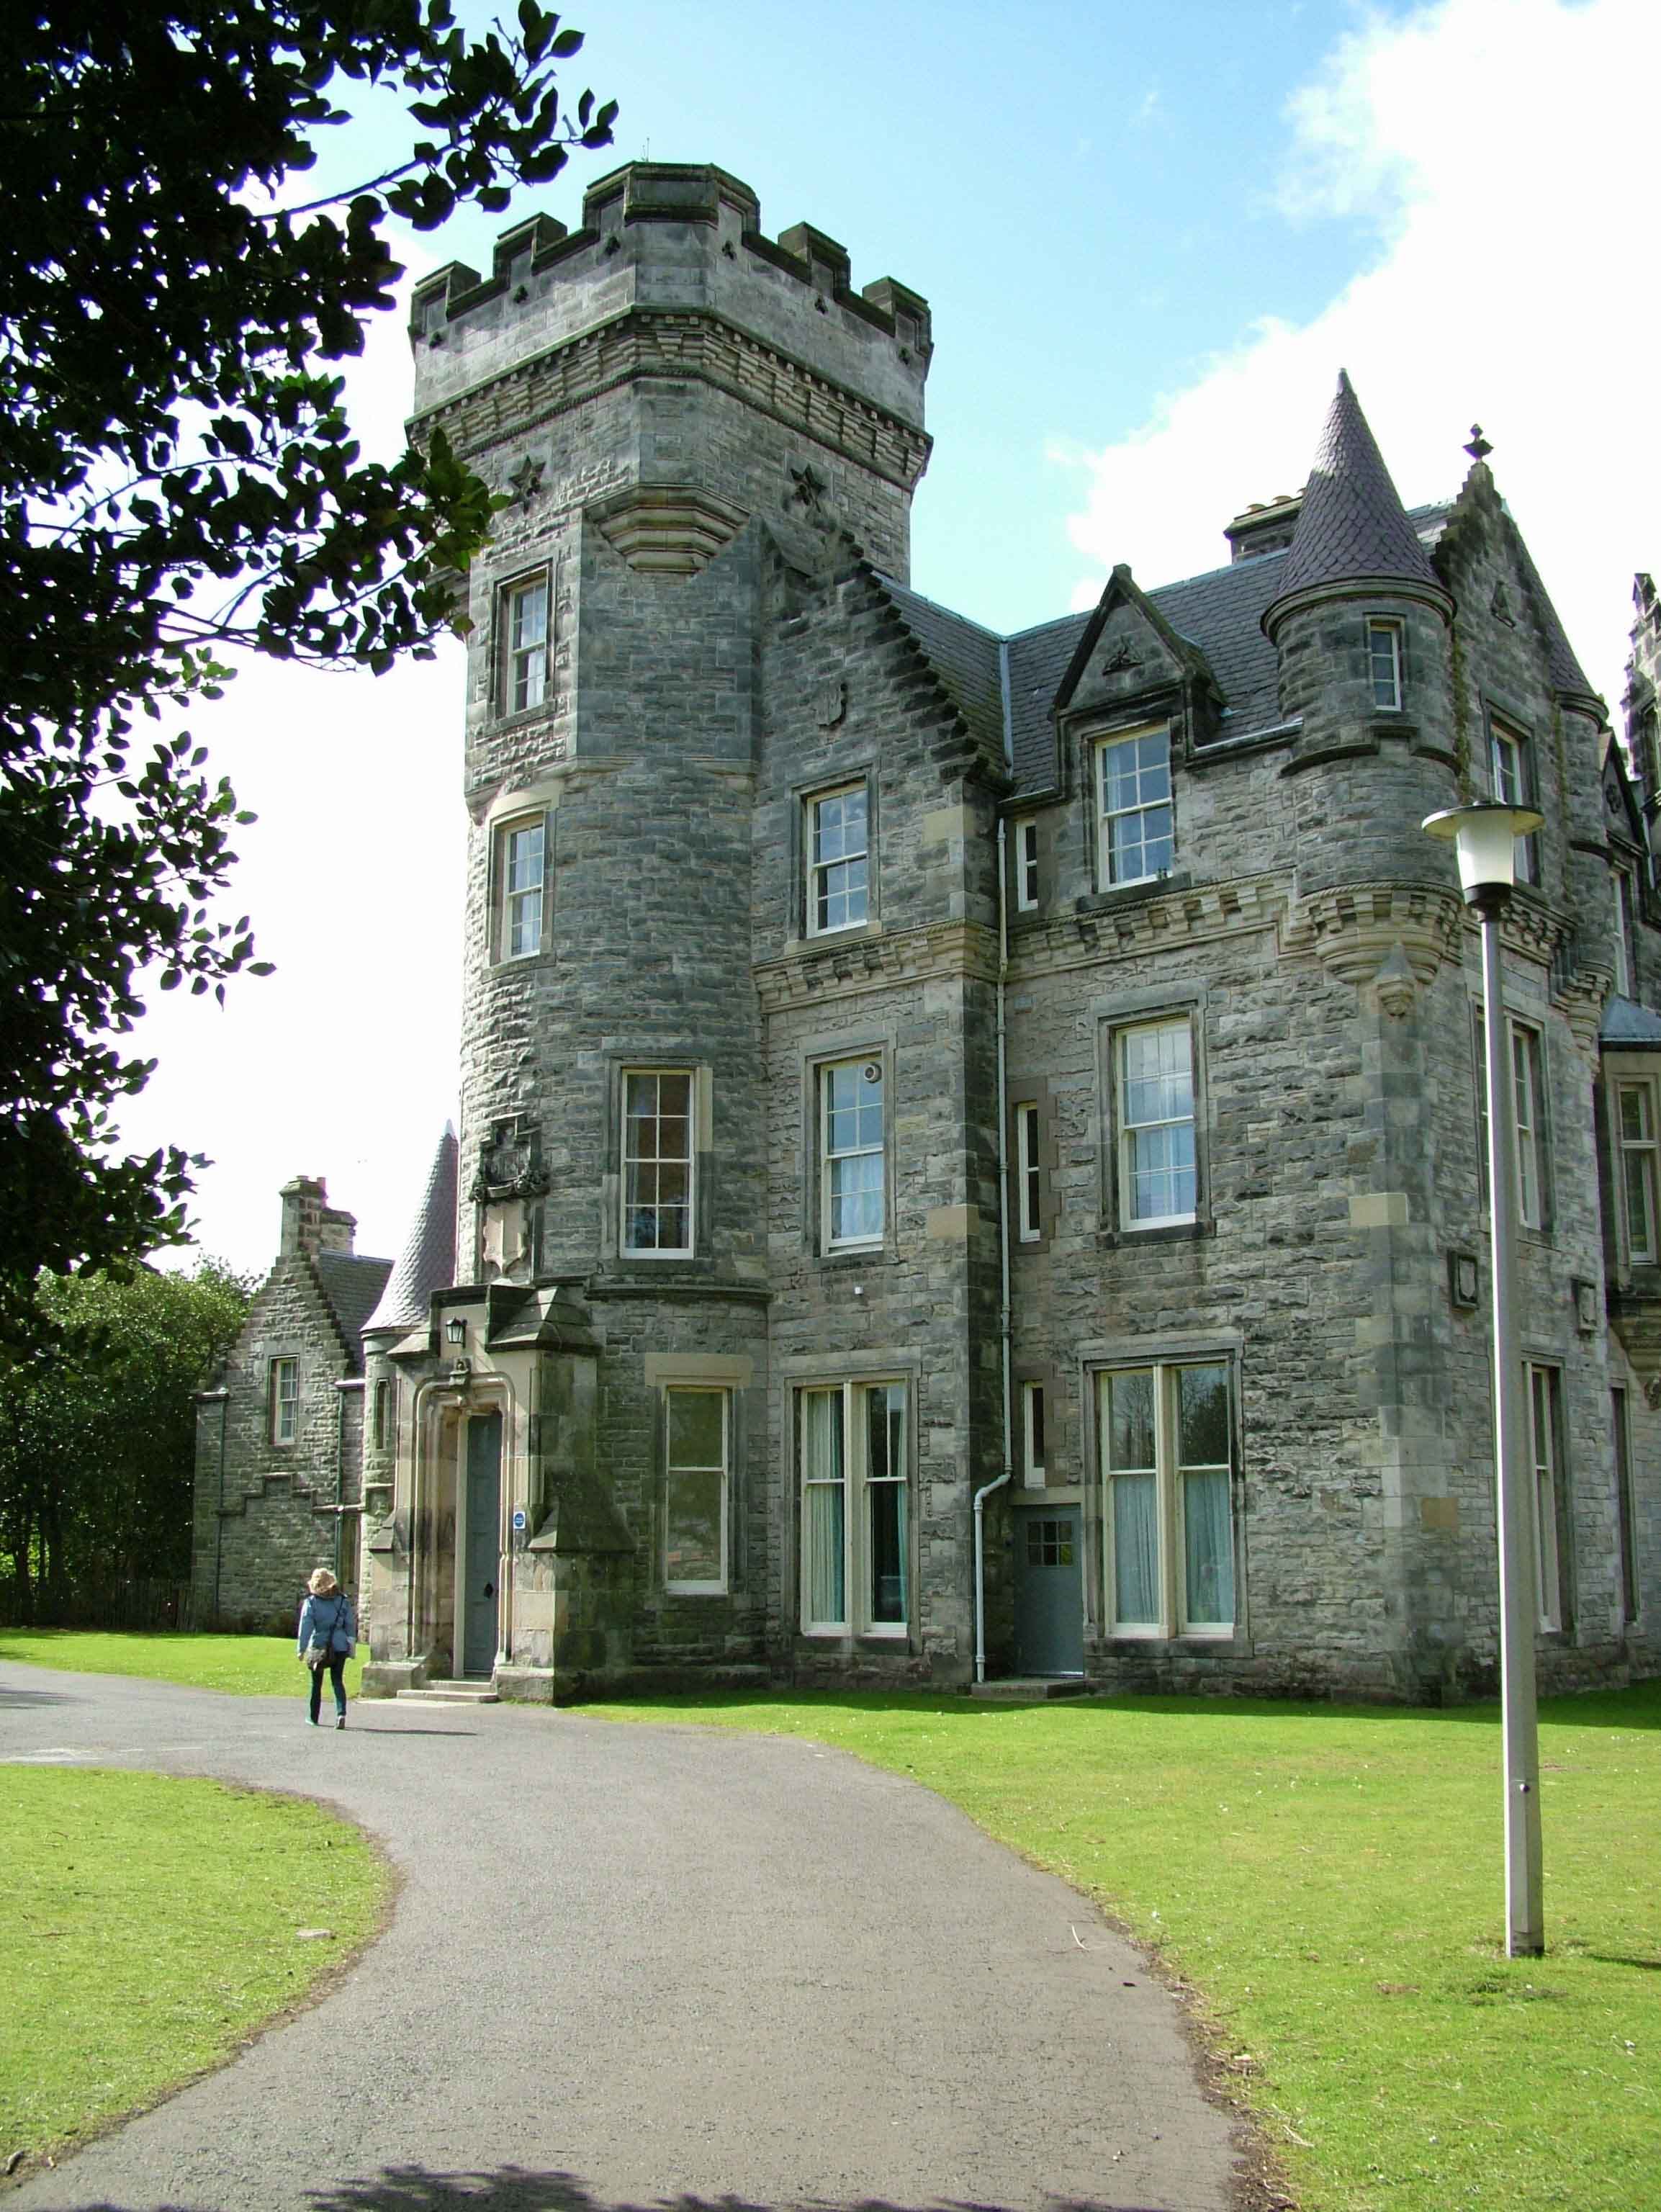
{"points": [[1500, 148]]}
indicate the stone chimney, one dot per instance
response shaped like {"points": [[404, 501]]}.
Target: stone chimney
{"points": [[310, 1224]]}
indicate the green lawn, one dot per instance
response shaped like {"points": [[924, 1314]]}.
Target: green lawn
{"points": [[1330, 1881], [246, 1666], [153, 1924]]}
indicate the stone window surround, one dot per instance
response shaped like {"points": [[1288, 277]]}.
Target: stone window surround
{"points": [[674, 1060], [1098, 1358], [1626, 1515], [735, 1375], [814, 1055], [503, 594], [851, 1371], [282, 1400], [1553, 1535], [1395, 629], [1025, 863], [667, 1393], [1033, 1391], [626, 1077], [1620, 1071], [1135, 1010], [1094, 738], [509, 810], [1529, 1022], [803, 797]]}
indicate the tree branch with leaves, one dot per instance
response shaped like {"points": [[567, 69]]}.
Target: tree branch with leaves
{"points": [[178, 478]]}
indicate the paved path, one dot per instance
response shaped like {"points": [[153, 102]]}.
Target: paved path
{"points": [[640, 1964]]}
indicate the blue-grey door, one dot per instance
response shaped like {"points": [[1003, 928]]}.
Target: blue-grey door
{"points": [[1049, 1590], [481, 1563]]}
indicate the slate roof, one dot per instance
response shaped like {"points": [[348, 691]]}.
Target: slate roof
{"points": [[353, 1283], [1630, 1025], [1563, 665], [963, 655], [1352, 522], [1221, 611], [427, 1262]]}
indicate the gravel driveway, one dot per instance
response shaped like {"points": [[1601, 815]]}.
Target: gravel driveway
{"points": [[636, 1964]]}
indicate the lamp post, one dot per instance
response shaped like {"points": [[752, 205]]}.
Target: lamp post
{"points": [[1485, 838]]}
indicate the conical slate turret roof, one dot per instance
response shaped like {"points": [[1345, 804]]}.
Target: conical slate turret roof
{"points": [[427, 1262], [1352, 526]]}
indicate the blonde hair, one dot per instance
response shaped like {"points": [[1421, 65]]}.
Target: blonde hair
{"points": [[322, 1583]]}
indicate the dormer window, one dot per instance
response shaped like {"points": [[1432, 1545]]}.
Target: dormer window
{"points": [[1133, 775], [1384, 664]]}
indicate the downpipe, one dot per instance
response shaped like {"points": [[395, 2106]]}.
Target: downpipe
{"points": [[1004, 1322]]}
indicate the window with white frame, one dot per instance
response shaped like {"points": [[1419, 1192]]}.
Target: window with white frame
{"points": [[524, 644], [1030, 1175], [1134, 807], [850, 1138], [1626, 1518], [1545, 1450], [1528, 1095], [697, 1465], [1026, 865], [1622, 882], [1383, 663], [856, 1535], [1635, 1105], [1166, 1463], [1510, 775], [659, 1161], [1153, 1074], [1032, 1462], [283, 1386], [839, 859], [521, 866]]}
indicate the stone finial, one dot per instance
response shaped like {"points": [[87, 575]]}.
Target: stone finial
{"points": [[1479, 448]]}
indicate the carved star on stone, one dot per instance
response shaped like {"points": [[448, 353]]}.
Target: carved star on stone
{"points": [[810, 487], [525, 481], [1120, 660]]}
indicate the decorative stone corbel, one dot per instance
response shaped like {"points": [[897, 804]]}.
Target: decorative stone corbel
{"points": [[1396, 935], [1581, 1002], [1396, 984]]}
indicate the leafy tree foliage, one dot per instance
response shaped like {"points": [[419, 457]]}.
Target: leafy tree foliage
{"points": [[98, 1434], [177, 476]]}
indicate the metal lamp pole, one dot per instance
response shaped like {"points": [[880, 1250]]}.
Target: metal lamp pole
{"points": [[1485, 835]]}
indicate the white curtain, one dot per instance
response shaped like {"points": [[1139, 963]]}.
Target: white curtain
{"points": [[1136, 1550], [1210, 1561]]}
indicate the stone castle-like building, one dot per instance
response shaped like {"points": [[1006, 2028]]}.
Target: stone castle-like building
{"points": [[970, 1157]]}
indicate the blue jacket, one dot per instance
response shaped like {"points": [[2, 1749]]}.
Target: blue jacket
{"points": [[330, 1618]]}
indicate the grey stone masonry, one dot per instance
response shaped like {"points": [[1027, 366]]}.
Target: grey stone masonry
{"points": [[280, 1437], [831, 964]]}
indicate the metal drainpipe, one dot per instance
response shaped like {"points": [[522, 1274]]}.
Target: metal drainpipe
{"points": [[983, 1494]]}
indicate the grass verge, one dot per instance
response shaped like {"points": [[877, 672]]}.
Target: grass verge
{"points": [[155, 1924], [244, 1666], [1330, 1881]]}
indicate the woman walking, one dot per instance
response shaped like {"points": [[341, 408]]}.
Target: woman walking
{"points": [[328, 1638]]}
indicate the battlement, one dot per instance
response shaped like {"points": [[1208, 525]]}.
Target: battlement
{"points": [[670, 239]]}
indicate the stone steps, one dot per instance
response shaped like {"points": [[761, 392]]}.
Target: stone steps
{"points": [[1020, 1688], [450, 1693]]}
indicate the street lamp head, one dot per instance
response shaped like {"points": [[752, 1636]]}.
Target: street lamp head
{"points": [[1484, 836]]}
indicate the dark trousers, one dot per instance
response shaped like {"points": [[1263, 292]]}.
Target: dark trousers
{"points": [[334, 1665]]}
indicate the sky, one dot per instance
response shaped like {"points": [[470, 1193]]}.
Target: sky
{"points": [[1150, 237]]}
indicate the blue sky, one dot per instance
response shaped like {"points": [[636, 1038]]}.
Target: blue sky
{"points": [[1150, 238]]}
